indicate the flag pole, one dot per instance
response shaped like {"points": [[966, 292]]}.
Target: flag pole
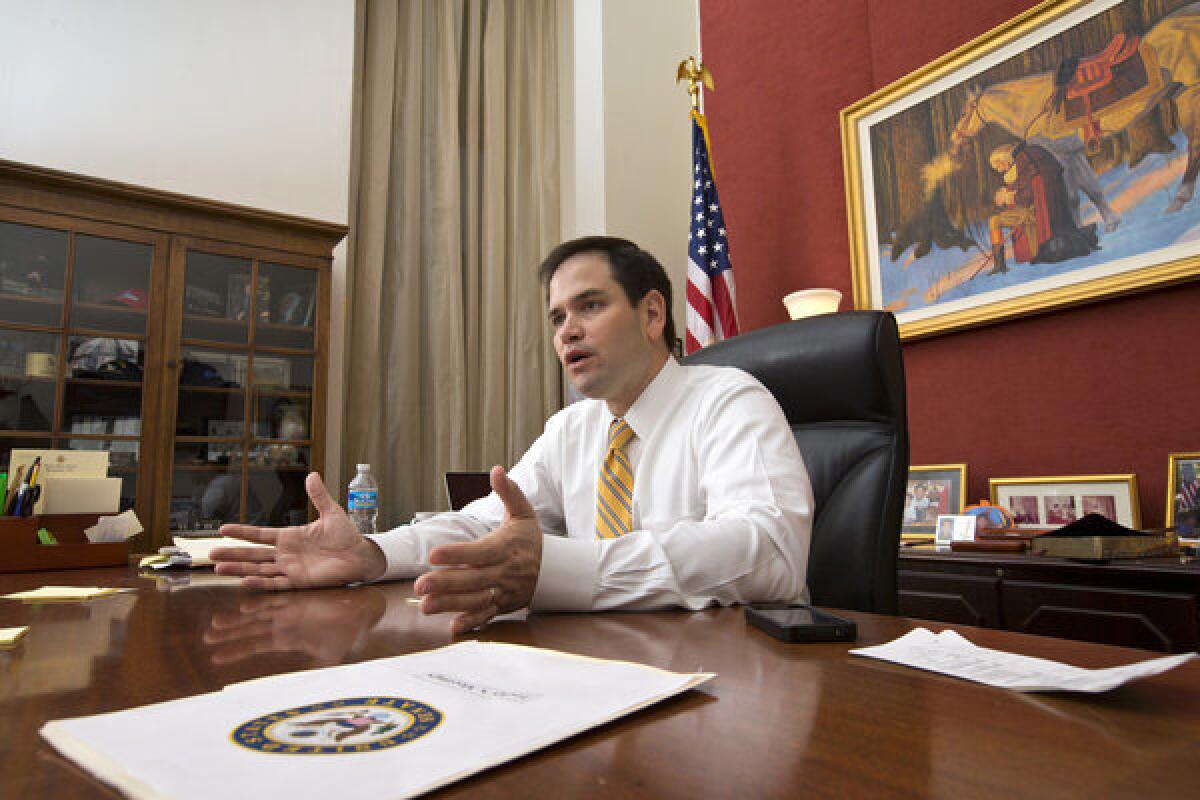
{"points": [[696, 74], [711, 296]]}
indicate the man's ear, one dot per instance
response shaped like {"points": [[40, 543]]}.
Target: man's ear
{"points": [[654, 314]]}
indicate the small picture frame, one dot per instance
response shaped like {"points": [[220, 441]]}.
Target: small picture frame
{"points": [[1056, 501], [955, 528], [932, 491], [1183, 493]]}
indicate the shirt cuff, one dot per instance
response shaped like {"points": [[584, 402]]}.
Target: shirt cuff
{"points": [[399, 553], [567, 578]]}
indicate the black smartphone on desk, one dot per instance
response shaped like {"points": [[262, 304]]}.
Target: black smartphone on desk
{"points": [[801, 623]]}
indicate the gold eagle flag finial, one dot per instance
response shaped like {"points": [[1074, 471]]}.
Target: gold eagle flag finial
{"points": [[695, 73]]}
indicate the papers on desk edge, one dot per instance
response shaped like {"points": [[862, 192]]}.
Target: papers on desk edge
{"points": [[388, 728], [64, 594], [10, 636], [950, 654]]}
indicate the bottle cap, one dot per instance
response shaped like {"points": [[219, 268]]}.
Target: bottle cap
{"points": [[362, 467]]}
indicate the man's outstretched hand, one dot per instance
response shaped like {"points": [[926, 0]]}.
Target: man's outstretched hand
{"points": [[327, 552], [491, 575]]}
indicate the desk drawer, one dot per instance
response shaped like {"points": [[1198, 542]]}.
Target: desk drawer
{"points": [[1164, 621], [960, 599]]}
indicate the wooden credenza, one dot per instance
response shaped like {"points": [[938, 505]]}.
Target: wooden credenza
{"points": [[1147, 603]]}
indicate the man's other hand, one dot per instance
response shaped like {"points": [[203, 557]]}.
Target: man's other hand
{"points": [[489, 576], [327, 552]]}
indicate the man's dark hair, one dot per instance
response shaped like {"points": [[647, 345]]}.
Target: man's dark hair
{"points": [[633, 268]]}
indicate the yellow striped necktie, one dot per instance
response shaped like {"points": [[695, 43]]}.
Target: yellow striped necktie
{"points": [[614, 490]]}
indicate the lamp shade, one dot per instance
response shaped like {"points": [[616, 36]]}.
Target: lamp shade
{"points": [[810, 302]]}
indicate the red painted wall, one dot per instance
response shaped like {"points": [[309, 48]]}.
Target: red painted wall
{"points": [[1103, 388]]}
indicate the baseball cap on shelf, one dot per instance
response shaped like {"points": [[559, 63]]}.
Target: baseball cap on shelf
{"points": [[134, 298]]}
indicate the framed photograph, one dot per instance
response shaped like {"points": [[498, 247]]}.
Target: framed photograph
{"points": [[272, 372], [956, 528], [1042, 165], [1054, 502], [931, 492], [1183, 492]]}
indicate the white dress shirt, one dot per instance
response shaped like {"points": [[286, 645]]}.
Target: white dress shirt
{"points": [[722, 506]]}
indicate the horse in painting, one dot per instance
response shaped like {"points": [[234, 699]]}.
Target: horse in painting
{"points": [[1026, 108]]}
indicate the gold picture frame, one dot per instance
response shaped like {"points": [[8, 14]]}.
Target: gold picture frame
{"points": [[1061, 499], [1183, 496], [932, 491], [920, 115]]}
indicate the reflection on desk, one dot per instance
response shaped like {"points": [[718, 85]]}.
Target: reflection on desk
{"points": [[779, 721]]}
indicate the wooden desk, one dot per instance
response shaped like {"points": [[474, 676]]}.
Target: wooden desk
{"points": [[1151, 603], [779, 721]]}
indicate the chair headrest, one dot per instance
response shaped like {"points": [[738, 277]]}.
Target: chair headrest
{"points": [[833, 367]]}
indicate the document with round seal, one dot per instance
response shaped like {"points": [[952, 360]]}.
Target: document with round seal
{"points": [[389, 728]]}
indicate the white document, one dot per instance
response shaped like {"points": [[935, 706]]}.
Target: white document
{"points": [[114, 529], [390, 728], [950, 654], [200, 549]]}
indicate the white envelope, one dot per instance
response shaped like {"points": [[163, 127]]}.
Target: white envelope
{"points": [[78, 495], [61, 463]]}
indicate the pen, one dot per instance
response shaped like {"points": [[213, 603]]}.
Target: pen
{"points": [[11, 498], [19, 505]]}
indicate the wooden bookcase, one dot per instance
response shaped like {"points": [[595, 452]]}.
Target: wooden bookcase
{"points": [[188, 337]]}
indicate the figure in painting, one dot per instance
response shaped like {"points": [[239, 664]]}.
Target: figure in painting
{"points": [[1035, 208]]}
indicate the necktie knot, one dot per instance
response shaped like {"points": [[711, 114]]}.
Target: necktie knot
{"points": [[619, 435]]}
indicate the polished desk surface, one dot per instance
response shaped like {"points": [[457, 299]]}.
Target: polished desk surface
{"points": [[779, 721]]}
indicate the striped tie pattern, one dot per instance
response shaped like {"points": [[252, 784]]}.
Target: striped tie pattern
{"points": [[614, 490]]}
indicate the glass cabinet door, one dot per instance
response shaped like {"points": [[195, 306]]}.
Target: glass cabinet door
{"points": [[33, 274], [243, 431], [73, 337]]}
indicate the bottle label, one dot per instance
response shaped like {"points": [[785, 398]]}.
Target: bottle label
{"points": [[363, 499]]}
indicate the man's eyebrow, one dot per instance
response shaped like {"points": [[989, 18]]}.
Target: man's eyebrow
{"points": [[588, 294], [582, 297]]}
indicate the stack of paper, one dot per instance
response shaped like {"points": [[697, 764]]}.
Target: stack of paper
{"points": [[193, 552], [390, 728]]}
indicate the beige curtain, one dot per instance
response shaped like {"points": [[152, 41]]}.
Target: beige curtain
{"points": [[454, 201]]}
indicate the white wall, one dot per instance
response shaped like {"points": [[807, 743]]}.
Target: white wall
{"points": [[246, 101], [626, 131]]}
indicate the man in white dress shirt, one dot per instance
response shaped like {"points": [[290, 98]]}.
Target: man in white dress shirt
{"points": [[669, 485]]}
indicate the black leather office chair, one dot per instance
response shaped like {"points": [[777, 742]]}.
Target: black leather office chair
{"points": [[840, 381]]}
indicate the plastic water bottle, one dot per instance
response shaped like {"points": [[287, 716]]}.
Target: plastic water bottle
{"points": [[363, 500]]}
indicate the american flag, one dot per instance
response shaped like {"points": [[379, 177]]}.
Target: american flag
{"points": [[1189, 492], [711, 315]]}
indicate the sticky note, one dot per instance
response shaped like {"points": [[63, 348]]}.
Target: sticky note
{"points": [[10, 636], [63, 594]]}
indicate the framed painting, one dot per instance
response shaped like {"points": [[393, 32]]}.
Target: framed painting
{"points": [[1050, 162], [931, 492], [1054, 502], [1183, 493]]}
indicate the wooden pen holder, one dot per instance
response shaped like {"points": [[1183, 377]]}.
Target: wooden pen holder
{"points": [[20, 550]]}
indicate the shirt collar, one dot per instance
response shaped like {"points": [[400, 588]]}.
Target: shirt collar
{"points": [[655, 400]]}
